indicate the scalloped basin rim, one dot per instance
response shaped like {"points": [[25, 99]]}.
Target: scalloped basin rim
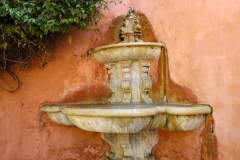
{"points": [[128, 110]]}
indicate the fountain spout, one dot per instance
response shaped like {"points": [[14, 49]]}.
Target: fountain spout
{"points": [[131, 30]]}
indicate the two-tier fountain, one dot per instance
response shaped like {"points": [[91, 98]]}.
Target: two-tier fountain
{"points": [[129, 120]]}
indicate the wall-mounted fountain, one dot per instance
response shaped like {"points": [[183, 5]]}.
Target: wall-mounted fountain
{"points": [[129, 121]]}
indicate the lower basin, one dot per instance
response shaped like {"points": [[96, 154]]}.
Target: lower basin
{"points": [[128, 118]]}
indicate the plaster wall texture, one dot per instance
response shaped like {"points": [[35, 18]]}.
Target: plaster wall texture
{"points": [[202, 41]]}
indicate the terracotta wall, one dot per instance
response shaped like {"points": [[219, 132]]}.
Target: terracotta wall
{"points": [[202, 42]]}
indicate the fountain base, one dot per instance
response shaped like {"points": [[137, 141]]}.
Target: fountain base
{"points": [[131, 146]]}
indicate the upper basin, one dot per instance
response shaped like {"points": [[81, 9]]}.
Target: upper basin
{"points": [[129, 118], [131, 51]]}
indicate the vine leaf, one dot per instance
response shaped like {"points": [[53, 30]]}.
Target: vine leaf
{"points": [[28, 28]]}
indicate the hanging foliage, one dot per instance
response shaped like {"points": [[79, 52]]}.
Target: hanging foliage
{"points": [[27, 27]]}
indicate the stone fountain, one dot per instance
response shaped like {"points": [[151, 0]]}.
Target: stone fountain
{"points": [[129, 120]]}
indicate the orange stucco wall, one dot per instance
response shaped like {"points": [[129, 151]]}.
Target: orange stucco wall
{"points": [[202, 42]]}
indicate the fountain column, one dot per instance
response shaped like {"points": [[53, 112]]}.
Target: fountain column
{"points": [[130, 83]]}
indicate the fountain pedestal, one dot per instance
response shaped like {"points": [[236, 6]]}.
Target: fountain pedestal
{"points": [[128, 146]]}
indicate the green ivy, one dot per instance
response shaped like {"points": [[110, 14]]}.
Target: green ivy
{"points": [[26, 25]]}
